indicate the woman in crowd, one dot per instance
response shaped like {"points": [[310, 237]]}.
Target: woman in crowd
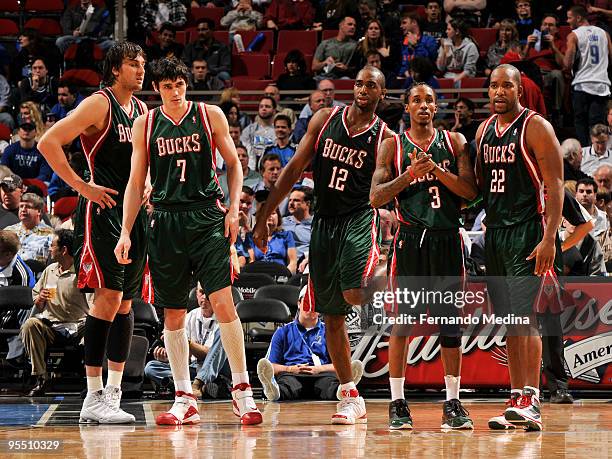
{"points": [[281, 245], [296, 76], [29, 111], [374, 40], [507, 40], [230, 104], [458, 54]]}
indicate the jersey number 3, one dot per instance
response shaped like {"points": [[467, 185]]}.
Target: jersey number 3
{"points": [[338, 178]]}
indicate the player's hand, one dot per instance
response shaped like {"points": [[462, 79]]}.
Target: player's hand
{"points": [[544, 254], [146, 192], [231, 225], [98, 194], [260, 235], [122, 250], [303, 264], [420, 163]]}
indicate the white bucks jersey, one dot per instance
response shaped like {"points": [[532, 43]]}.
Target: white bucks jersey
{"points": [[591, 65]]}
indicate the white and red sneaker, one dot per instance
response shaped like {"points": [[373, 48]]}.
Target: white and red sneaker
{"points": [[244, 406], [526, 412], [351, 409], [500, 422], [183, 412]]}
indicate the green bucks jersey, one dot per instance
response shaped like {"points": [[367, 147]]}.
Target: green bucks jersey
{"points": [[182, 157], [513, 187], [109, 152], [344, 164], [426, 201]]}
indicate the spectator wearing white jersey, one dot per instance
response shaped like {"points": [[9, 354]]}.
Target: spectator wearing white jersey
{"points": [[590, 85]]}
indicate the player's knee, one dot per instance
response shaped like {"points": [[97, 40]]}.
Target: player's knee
{"points": [[126, 307], [334, 323], [354, 296], [174, 319], [450, 341]]}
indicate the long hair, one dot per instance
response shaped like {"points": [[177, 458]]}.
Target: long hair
{"points": [[463, 29], [509, 24], [367, 44], [114, 59], [36, 116]]}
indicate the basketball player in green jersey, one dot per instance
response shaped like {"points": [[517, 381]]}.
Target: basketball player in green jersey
{"points": [[518, 158], [428, 172], [191, 232], [104, 123], [342, 143]]}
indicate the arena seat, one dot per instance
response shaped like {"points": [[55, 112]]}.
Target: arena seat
{"points": [[262, 311], [473, 83], [44, 6], [484, 37], [5, 132], [9, 7], [14, 297], [8, 28], [248, 283], [45, 26], [288, 294], [65, 207], [326, 34], [304, 40], [71, 53], [146, 322], [219, 35], [278, 64], [37, 183], [36, 266], [279, 272], [250, 101], [344, 85], [215, 14], [251, 65], [82, 77]]}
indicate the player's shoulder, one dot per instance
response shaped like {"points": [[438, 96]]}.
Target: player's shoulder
{"points": [[98, 99], [319, 118]]}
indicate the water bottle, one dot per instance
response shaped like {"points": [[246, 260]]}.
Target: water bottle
{"points": [[255, 42], [239, 43]]}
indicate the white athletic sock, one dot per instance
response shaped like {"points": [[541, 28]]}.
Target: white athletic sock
{"points": [[397, 388], [348, 386], [535, 389], [94, 383], [114, 378], [232, 339], [516, 391], [452, 386], [177, 349]]}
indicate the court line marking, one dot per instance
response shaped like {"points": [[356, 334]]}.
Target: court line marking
{"points": [[47, 415], [148, 414]]}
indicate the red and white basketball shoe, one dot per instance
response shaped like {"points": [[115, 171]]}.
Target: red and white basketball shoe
{"points": [[183, 412], [500, 422], [244, 406], [351, 409]]}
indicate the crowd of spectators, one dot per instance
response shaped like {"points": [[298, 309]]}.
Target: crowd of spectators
{"points": [[429, 42]]}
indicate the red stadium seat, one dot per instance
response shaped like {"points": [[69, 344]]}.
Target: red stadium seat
{"points": [[473, 83], [37, 183], [329, 34], [71, 53], [213, 13], [418, 9], [65, 207], [484, 38], [45, 26], [304, 40], [8, 28], [250, 101], [9, 6], [219, 35], [343, 85], [264, 46], [82, 77], [250, 65], [44, 6], [5, 132], [278, 65], [564, 31]]}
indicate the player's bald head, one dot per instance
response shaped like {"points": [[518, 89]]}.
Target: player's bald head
{"points": [[511, 72], [370, 72]]}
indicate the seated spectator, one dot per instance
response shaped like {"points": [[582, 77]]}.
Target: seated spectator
{"points": [[235, 132], [299, 221], [297, 365], [603, 177], [57, 187], [289, 14], [85, 20], [583, 259], [328, 88], [260, 133], [458, 54], [334, 12], [374, 40], [598, 153], [34, 235], [464, 124], [470, 12], [281, 245], [231, 108], [434, 24], [60, 310], [572, 160], [209, 367], [13, 270], [23, 157], [251, 178], [216, 54], [155, 13], [202, 80], [586, 194], [31, 47], [283, 146], [270, 168], [166, 45], [375, 59], [296, 76], [507, 40], [604, 203], [68, 98], [30, 112], [246, 217], [316, 101], [333, 56], [422, 69], [525, 23], [414, 43], [11, 190], [39, 87], [5, 103], [242, 17], [274, 92]]}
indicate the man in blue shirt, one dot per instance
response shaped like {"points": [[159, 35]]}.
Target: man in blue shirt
{"points": [[414, 43], [283, 147], [68, 98], [23, 157], [299, 221], [298, 365]]}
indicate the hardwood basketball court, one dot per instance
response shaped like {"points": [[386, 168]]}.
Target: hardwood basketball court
{"points": [[302, 429]]}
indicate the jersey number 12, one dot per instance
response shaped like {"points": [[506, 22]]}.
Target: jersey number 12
{"points": [[338, 178]]}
